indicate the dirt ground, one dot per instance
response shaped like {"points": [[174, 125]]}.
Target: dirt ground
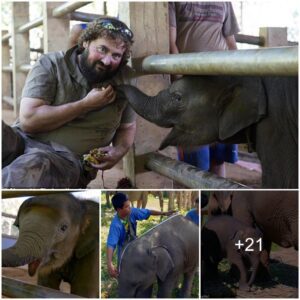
{"points": [[284, 283], [244, 172]]}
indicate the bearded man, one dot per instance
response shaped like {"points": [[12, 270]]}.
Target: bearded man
{"points": [[69, 106]]}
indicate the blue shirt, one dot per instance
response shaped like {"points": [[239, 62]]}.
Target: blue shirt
{"points": [[117, 232], [194, 216]]}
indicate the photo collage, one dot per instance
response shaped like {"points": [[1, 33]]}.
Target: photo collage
{"points": [[150, 149]]}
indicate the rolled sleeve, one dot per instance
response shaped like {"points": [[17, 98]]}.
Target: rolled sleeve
{"points": [[172, 14], [41, 82], [141, 214]]}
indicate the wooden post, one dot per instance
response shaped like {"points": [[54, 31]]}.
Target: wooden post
{"points": [[274, 36], [6, 76], [150, 24], [56, 30], [20, 50]]}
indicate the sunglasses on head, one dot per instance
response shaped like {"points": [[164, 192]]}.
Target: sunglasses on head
{"points": [[117, 26]]}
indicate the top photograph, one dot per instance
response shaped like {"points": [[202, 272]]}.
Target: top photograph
{"points": [[150, 95]]}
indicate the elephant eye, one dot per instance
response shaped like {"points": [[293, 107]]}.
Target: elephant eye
{"points": [[63, 227], [177, 97]]}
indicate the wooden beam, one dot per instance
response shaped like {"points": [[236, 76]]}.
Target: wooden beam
{"points": [[20, 50], [18, 289], [32, 24], [188, 175], [52, 40], [84, 17], [68, 7]]}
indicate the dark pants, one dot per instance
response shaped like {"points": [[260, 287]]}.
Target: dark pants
{"points": [[28, 163]]}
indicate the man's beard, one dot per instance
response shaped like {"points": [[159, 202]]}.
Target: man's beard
{"points": [[91, 72]]}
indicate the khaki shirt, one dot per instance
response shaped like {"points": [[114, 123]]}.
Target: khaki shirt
{"points": [[56, 79], [202, 26]]}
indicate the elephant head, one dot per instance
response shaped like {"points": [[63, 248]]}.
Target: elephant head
{"points": [[202, 109], [153, 261], [219, 202], [52, 228]]}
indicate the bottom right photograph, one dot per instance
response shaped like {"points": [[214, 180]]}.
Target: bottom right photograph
{"points": [[249, 244]]}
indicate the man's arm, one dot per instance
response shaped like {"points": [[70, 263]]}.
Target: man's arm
{"points": [[110, 267], [172, 38], [161, 213], [37, 116], [122, 141], [231, 43]]}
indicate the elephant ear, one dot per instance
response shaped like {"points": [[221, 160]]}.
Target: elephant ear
{"points": [[245, 105], [163, 262], [89, 235]]}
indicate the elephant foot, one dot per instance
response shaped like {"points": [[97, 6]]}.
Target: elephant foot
{"points": [[244, 287]]}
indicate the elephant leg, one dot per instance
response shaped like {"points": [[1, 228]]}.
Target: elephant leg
{"points": [[187, 284], [166, 287], [161, 201], [263, 273], [51, 280], [147, 293], [237, 260]]}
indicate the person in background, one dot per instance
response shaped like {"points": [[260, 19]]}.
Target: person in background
{"points": [[198, 27], [123, 227], [193, 214]]}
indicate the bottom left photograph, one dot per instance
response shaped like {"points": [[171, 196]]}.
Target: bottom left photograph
{"points": [[50, 244]]}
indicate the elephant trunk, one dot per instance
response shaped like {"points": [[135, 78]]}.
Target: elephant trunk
{"points": [[146, 106], [22, 253]]}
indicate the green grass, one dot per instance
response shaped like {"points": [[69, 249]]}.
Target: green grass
{"points": [[108, 284]]}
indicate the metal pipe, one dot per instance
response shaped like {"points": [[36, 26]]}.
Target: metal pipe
{"points": [[84, 17], [249, 39], [188, 175], [9, 100], [7, 69], [268, 61], [25, 68], [18, 289], [6, 37], [67, 8], [32, 24]]}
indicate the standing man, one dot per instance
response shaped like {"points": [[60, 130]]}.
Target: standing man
{"points": [[70, 106], [123, 227], [198, 27]]}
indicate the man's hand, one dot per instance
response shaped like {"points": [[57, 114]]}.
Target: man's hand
{"points": [[98, 98], [170, 212], [111, 157], [113, 272]]}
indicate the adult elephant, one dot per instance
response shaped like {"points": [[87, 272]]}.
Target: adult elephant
{"points": [[59, 239], [163, 254], [274, 212], [260, 111]]}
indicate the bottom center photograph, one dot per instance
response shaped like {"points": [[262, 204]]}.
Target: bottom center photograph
{"points": [[149, 244]]}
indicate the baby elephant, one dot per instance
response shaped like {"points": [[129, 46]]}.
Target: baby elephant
{"points": [[225, 236]]}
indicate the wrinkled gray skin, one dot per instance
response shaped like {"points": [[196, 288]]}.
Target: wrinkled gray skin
{"points": [[163, 254], [274, 212], [218, 238], [59, 239], [260, 111]]}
